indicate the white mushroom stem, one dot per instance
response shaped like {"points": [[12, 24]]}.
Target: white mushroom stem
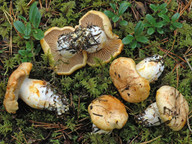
{"points": [[151, 67], [37, 94], [96, 130], [63, 46], [150, 117], [99, 38], [90, 39]]}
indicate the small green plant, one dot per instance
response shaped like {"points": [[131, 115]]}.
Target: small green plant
{"points": [[29, 31], [117, 13], [134, 40], [159, 21]]}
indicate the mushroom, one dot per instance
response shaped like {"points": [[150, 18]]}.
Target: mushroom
{"points": [[35, 93], [170, 108], [107, 44], [107, 113], [131, 80], [151, 67], [67, 47], [63, 55]]}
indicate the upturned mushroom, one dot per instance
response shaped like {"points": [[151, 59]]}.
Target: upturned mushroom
{"points": [[60, 47], [170, 108], [68, 48], [35, 93], [131, 80], [107, 113], [107, 44]]}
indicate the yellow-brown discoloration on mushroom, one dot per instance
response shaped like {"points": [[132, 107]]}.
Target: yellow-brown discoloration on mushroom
{"points": [[34, 86], [173, 107], [107, 113], [131, 86], [13, 86]]}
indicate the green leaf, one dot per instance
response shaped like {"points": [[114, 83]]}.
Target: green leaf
{"points": [[177, 25], [133, 44], [115, 18], [150, 19], [22, 52], [154, 7], [27, 31], [164, 17], [128, 39], [164, 11], [150, 31], [32, 12], [160, 31], [26, 36], [139, 28], [113, 6], [28, 45], [123, 23], [175, 17], [37, 50], [109, 13], [123, 7], [38, 34], [172, 27], [25, 59], [23, 18], [34, 15], [147, 25], [19, 26], [29, 55], [142, 39], [159, 24], [138, 45], [162, 6]]}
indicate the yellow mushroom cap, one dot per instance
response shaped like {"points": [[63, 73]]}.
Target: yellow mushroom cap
{"points": [[108, 113], [111, 47], [63, 66], [173, 107], [13, 86], [131, 86]]}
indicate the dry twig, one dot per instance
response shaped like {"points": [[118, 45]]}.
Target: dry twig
{"points": [[189, 127], [185, 57], [152, 140]]}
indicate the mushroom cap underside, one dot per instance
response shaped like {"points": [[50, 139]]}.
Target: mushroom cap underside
{"points": [[99, 19], [131, 86], [172, 106], [107, 113], [13, 86], [62, 65], [112, 47]]}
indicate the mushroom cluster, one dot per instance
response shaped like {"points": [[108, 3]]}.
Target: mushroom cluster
{"points": [[170, 108], [35, 93], [71, 48], [131, 80]]}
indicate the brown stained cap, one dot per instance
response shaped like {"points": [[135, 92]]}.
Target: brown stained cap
{"points": [[108, 113], [131, 86], [112, 47], [62, 65], [13, 86], [173, 107]]}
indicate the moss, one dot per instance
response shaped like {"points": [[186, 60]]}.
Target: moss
{"points": [[87, 83]]}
